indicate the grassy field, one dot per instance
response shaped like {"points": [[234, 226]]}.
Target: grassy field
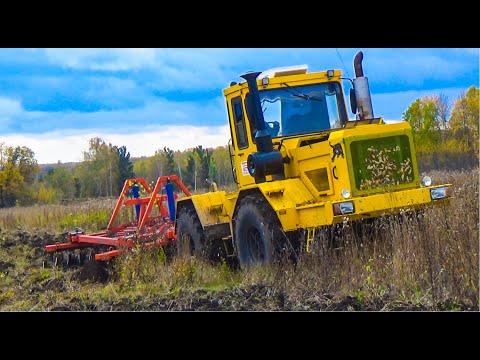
{"points": [[402, 264]]}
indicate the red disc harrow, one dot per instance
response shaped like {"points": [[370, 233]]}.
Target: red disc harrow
{"points": [[146, 230]]}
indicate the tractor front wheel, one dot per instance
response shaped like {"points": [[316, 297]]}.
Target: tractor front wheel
{"points": [[258, 235]]}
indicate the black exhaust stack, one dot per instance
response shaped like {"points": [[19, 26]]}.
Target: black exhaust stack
{"points": [[266, 161], [362, 90], [357, 64], [255, 113]]}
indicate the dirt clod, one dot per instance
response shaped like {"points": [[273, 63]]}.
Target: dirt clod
{"points": [[4, 265], [93, 270]]}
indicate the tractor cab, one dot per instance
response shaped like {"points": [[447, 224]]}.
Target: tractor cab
{"points": [[291, 104], [300, 109]]}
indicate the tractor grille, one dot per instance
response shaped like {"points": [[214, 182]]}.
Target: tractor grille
{"points": [[381, 163]]}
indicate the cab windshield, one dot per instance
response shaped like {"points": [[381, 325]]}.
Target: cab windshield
{"points": [[303, 109]]}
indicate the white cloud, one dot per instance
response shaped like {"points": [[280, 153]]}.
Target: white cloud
{"points": [[470, 51], [190, 69], [8, 109], [102, 59], [159, 123], [158, 111], [9, 106], [412, 68], [391, 106], [206, 69], [69, 145], [112, 91], [178, 125]]}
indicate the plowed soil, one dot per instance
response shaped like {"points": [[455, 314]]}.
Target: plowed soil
{"points": [[23, 280]]}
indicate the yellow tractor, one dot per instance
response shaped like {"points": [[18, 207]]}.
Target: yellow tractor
{"points": [[300, 164]]}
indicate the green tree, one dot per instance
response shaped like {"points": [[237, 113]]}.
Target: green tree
{"points": [[142, 168], [170, 167], [24, 159], [464, 120], [446, 139], [180, 158], [46, 195], [125, 167], [157, 162], [443, 106], [11, 184], [221, 156], [213, 170], [78, 187], [61, 180], [98, 173], [205, 167], [191, 171], [18, 168], [163, 163], [425, 118]]}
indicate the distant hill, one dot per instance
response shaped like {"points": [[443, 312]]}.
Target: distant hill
{"points": [[72, 165], [46, 167]]}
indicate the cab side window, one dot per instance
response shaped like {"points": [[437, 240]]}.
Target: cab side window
{"points": [[239, 120]]}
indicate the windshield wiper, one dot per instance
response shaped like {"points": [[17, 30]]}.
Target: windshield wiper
{"points": [[307, 97], [299, 94]]}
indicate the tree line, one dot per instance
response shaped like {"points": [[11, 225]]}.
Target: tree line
{"points": [[194, 166], [103, 171], [445, 137]]}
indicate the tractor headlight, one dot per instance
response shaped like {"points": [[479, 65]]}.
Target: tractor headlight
{"points": [[440, 193], [426, 180], [346, 193], [342, 208]]}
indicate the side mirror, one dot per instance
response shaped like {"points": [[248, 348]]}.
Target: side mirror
{"points": [[353, 101]]}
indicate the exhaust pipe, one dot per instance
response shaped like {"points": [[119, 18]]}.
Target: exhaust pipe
{"points": [[266, 161], [362, 90], [357, 64], [255, 113]]}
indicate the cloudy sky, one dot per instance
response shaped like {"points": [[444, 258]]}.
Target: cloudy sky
{"points": [[54, 100]]}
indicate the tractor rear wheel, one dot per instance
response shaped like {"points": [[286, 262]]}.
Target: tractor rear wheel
{"points": [[258, 234], [190, 235]]}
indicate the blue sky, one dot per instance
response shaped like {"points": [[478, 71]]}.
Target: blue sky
{"points": [[54, 100]]}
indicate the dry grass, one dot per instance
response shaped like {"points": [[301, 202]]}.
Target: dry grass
{"points": [[423, 261], [429, 263], [426, 261], [91, 215]]}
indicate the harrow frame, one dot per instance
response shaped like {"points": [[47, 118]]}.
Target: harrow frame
{"points": [[145, 231]]}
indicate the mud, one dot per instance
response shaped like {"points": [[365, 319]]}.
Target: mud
{"points": [[93, 271], [4, 265], [248, 298], [36, 240], [252, 298]]}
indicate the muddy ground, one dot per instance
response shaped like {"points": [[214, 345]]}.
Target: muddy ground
{"points": [[26, 285]]}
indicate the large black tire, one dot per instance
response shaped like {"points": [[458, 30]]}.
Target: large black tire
{"points": [[190, 235], [258, 234]]}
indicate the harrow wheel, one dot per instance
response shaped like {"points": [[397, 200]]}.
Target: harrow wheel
{"points": [[70, 259], [84, 263], [66, 260], [57, 259]]}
